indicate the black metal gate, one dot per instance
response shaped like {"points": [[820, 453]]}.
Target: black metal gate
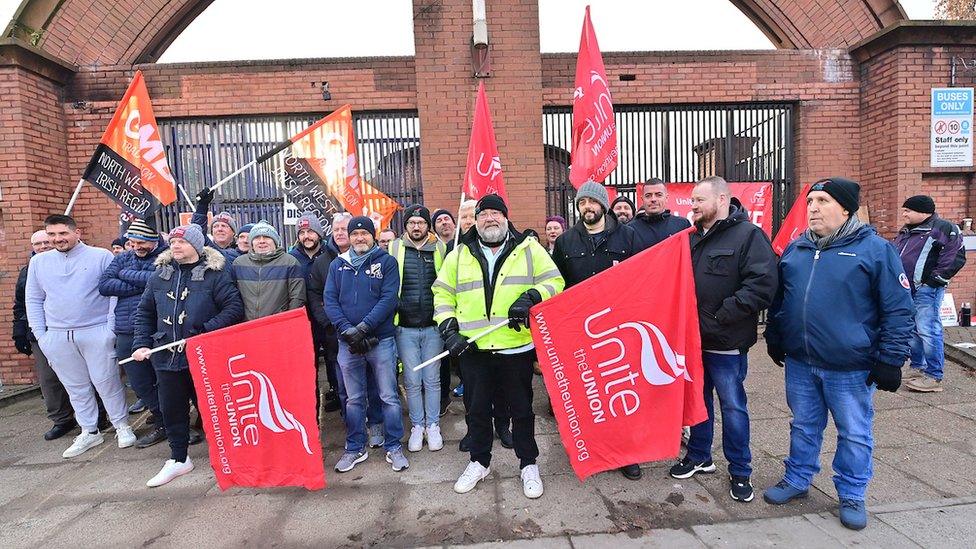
{"points": [[681, 143], [201, 151]]}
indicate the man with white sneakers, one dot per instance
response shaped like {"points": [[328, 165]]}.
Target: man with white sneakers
{"points": [[419, 255], [495, 275], [72, 322]]}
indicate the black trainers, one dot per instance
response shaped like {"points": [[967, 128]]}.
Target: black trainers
{"points": [[687, 468], [740, 488]]}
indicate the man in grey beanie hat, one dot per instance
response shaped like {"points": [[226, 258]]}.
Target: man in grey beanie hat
{"points": [[271, 281], [597, 192]]}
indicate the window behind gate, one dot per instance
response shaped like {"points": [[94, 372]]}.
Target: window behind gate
{"points": [[201, 151], [750, 142]]}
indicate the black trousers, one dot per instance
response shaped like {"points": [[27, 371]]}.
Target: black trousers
{"points": [[175, 393], [495, 381], [446, 378], [56, 400]]}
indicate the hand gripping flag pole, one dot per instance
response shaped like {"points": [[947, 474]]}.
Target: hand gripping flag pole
{"points": [[476, 337], [176, 343]]}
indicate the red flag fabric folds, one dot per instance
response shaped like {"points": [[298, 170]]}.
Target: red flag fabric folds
{"points": [[624, 377], [483, 174], [794, 224], [594, 150], [258, 403]]}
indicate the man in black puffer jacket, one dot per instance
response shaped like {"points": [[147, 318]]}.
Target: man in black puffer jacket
{"points": [[654, 223], [735, 279], [126, 278]]}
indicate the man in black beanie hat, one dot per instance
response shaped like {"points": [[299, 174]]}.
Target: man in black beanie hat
{"points": [[931, 252], [443, 225], [623, 208], [841, 322]]}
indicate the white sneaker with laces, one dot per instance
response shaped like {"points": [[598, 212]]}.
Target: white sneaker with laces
{"points": [[472, 475], [83, 443], [434, 439], [416, 442], [531, 481], [125, 436], [171, 469]]}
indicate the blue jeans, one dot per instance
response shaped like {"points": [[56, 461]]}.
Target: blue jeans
{"points": [[423, 388], [354, 368], [374, 406], [724, 375], [810, 393], [927, 347]]}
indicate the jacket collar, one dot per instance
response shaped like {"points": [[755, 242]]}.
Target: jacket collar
{"points": [[430, 245], [265, 258], [653, 218], [610, 225], [922, 227], [860, 234], [212, 261]]}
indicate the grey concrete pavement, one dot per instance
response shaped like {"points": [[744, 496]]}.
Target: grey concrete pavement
{"points": [[923, 493]]}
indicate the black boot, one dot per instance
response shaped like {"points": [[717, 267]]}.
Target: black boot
{"points": [[60, 430], [155, 436], [465, 444], [504, 432]]}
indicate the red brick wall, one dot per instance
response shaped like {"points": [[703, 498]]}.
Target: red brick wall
{"points": [[34, 182]]}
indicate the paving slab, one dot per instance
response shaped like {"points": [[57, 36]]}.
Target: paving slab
{"points": [[877, 533], [791, 532], [939, 527], [567, 507], [654, 539]]}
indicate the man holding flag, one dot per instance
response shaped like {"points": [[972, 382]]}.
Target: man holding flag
{"points": [[190, 293], [596, 243], [735, 278], [223, 227], [495, 275]]}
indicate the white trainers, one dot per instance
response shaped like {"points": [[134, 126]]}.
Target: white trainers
{"points": [[434, 440], [472, 475], [83, 443], [416, 442], [125, 436], [171, 469], [531, 481]]}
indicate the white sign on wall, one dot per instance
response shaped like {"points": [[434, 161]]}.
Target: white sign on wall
{"points": [[952, 127], [947, 312], [291, 212]]}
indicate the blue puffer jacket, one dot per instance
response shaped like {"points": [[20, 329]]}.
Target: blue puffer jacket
{"points": [[368, 294], [126, 278], [845, 307]]}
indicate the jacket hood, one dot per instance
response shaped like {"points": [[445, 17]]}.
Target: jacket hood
{"points": [[212, 259], [610, 225], [430, 245]]}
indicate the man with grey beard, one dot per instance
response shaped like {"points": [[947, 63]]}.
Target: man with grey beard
{"points": [[484, 282]]}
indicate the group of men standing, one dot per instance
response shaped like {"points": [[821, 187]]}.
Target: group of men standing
{"points": [[843, 318]]}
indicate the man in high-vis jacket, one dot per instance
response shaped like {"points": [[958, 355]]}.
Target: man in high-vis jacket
{"points": [[495, 275]]}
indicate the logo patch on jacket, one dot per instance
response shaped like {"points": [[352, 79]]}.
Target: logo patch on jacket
{"points": [[375, 271], [904, 281]]}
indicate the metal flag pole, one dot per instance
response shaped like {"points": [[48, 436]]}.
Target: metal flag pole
{"points": [[476, 337], [186, 197], [74, 197]]}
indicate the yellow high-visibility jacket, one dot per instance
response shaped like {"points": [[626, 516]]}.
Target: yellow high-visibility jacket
{"points": [[462, 291]]}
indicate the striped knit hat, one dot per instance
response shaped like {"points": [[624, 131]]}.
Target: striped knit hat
{"points": [[140, 230], [224, 217]]}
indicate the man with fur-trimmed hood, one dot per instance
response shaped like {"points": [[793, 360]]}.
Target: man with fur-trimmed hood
{"points": [[190, 293]]}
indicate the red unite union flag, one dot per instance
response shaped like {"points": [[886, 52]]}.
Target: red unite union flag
{"points": [[623, 374], [794, 224], [594, 150], [483, 173], [258, 403]]}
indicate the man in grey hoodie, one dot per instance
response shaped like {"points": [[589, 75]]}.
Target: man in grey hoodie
{"points": [[73, 326]]}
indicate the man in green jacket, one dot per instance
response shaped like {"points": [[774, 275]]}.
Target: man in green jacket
{"points": [[270, 280]]}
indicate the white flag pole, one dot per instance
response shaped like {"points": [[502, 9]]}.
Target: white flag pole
{"points": [[74, 197], [155, 350], [476, 337]]}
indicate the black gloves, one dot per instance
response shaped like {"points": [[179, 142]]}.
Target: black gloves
{"points": [[204, 198], [885, 376], [776, 353], [518, 313], [355, 335], [23, 345], [364, 346], [454, 342]]}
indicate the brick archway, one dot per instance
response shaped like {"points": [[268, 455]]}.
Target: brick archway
{"points": [[125, 32]]}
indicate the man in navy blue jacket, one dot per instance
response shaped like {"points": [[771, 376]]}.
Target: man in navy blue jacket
{"points": [[126, 278], [360, 299], [842, 321]]}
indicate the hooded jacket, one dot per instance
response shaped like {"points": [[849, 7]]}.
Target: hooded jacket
{"points": [[182, 301], [846, 307], [651, 229], [931, 252], [269, 283], [735, 279], [366, 294], [577, 258], [126, 277]]}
